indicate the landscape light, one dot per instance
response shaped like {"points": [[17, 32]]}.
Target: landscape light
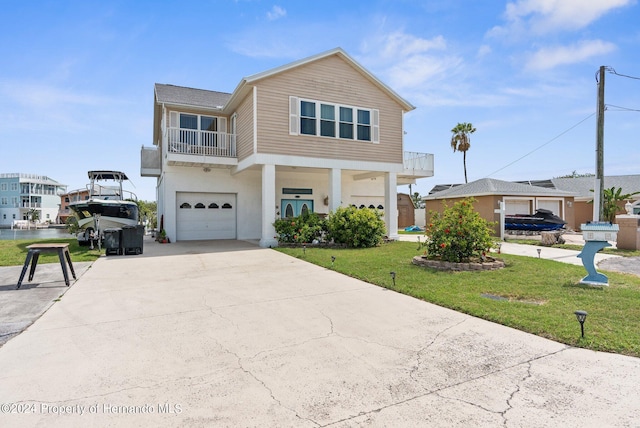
{"points": [[581, 316], [393, 277], [539, 251], [333, 259], [304, 249]]}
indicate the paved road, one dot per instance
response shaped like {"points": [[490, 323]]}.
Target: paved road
{"points": [[229, 334]]}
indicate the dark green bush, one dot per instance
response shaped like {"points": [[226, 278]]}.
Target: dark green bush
{"points": [[301, 229], [458, 233], [356, 227]]}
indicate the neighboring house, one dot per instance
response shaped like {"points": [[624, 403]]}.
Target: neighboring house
{"points": [[518, 198], [29, 197], [583, 187], [406, 211], [313, 135], [67, 198]]}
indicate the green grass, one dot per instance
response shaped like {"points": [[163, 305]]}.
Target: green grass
{"points": [[543, 294], [13, 253]]}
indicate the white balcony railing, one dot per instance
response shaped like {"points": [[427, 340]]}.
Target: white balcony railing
{"points": [[418, 161], [207, 143]]}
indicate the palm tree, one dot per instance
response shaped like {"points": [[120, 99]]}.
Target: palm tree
{"points": [[461, 141]]}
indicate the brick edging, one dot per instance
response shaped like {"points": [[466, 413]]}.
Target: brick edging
{"points": [[440, 265]]}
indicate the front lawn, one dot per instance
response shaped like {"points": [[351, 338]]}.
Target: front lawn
{"points": [[14, 252], [541, 295]]}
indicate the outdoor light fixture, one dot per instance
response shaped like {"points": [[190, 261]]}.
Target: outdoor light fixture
{"points": [[499, 247], [393, 277], [304, 249], [333, 259], [581, 316], [539, 251]]}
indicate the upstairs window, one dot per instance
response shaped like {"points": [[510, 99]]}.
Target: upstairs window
{"points": [[308, 117]]}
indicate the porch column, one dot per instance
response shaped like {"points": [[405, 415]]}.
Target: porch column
{"points": [[391, 204], [335, 189], [268, 239]]}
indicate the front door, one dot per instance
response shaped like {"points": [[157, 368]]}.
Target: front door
{"points": [[296, 207]]}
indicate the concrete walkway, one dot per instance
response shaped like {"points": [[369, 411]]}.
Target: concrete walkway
{"points": [[227, 334]]}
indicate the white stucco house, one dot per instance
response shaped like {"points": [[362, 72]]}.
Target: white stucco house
{"points": [[316, 134]]}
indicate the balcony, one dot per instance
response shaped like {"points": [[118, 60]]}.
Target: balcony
{"points": [[416, 165], [150, 162], [185, 147]]}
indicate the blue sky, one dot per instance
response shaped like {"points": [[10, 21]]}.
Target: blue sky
{"points": [[76, 77]]}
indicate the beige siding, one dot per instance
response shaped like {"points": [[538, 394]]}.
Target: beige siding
{"points": [[244, 125], [334, 81]]}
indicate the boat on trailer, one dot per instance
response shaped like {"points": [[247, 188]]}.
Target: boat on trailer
{"points": [[108, 206], [542, 220]]}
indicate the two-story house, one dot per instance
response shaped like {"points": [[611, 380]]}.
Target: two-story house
{"points": [[29, 198], [313, 135]]}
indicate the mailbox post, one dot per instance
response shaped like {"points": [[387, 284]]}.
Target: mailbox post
{"points": [[596, 236]]}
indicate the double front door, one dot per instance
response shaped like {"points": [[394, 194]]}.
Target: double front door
{"points": [[296, 207]]}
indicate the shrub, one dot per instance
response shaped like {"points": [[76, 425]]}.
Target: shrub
{"points": [[356, 227], [301, 229], [458, 233]]}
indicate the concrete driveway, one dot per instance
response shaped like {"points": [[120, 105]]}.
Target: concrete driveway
{"points": [[229, 334]]}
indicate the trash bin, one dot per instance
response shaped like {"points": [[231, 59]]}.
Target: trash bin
{"points": [[112, 240], [132, 239]]}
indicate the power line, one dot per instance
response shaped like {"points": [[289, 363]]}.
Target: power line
{"points": [[541, 146], [612, 71], [621, 108]]}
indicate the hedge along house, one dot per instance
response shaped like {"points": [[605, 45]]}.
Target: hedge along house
{"points": [[518, 198], [309, 136]]}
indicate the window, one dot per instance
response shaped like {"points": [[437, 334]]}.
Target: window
{"points": [[308, 117], [14, 186], [327, 120], [5, 201], [3, 187], [196, 129], [346, 123], [364, 125]]}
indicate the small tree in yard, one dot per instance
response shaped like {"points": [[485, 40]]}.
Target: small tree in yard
{"points": [[458, 234], [356, 227]]}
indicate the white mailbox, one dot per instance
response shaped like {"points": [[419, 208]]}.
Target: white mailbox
{"points": [[599, 231]]}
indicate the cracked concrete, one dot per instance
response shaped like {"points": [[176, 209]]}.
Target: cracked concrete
{"points": [[228, 334]]}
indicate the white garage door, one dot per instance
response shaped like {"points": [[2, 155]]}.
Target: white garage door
{"points": [[204, 216], [553, 206], [516, 206]]}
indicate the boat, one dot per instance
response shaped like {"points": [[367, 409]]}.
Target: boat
{"points": [[542, 220], [107, 206]]}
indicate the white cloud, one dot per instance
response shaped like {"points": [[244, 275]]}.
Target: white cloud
{"points": [[550, 57], [406, 61], [276, 12], [548, 16]]}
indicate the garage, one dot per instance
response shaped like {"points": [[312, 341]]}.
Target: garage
{"points": [[552, 205], [203, 216], [517, 206]]}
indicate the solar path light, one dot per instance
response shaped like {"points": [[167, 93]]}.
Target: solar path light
{"points": [[393, 277], [581, 316]]}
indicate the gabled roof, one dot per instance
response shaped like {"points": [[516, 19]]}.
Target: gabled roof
{"points": [[241, 90], [183, 96], [491, 186], [583, 186]]}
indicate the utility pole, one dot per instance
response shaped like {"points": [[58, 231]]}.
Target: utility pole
{"points": [[598, 202]]}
